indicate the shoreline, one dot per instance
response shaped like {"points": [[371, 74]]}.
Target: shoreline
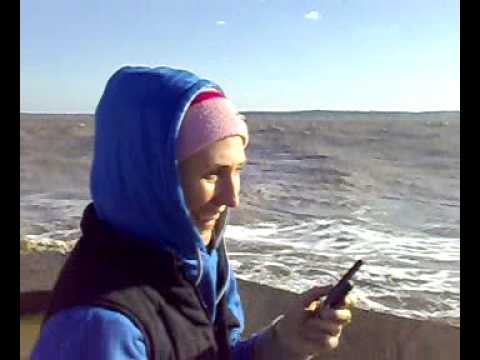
{"points": [[46, 256]]}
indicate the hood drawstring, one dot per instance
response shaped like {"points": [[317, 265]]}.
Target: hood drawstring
{"points": [[200, 267], [227, 266], [227, 279], [222, 251]]}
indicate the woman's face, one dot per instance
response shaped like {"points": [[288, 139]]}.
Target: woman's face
{"points": [[210, 181]]}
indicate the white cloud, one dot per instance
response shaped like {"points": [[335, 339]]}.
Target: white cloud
{"points": [[220, 22], [313, 15]]}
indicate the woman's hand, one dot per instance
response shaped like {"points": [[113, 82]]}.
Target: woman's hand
{"points": [[308, 328]]}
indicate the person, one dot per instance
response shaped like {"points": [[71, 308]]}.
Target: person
{"points": [[149, 277]]}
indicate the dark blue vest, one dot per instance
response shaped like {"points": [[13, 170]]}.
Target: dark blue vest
{"points": [[105, 269]]}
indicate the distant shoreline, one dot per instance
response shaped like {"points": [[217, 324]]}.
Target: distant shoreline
{"points": [[308, 115], [293, 112]]}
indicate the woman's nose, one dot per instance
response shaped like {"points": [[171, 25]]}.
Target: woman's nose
{"points": [[230, 192]]}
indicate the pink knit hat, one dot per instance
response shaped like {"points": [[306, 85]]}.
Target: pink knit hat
{"points": [[210, 117]]}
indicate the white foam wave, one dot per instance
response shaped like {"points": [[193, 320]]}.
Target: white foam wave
{"points": [[402, 269]]}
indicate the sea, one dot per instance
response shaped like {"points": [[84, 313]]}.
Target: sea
{"points": [[321, 190]]}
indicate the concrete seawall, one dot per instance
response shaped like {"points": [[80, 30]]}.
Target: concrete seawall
{"points": [[371, 335]]}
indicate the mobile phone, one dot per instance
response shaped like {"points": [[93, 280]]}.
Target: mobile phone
{"points": [[340, 290]]}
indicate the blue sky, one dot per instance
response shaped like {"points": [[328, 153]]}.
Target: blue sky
{"points": [[381, 55]]}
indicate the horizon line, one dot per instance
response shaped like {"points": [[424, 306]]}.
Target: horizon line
{"points": [[267, 111]]}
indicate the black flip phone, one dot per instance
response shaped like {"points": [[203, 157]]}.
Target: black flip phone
{"points": [[337, 294]]}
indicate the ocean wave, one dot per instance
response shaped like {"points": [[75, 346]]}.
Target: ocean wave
{"points": [[395, 279]]}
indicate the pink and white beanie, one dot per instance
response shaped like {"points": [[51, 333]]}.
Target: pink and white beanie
{"points": [[210, 117]]}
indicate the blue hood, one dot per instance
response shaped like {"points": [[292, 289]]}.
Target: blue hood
{"points": [[134, 182], [135, 185]]}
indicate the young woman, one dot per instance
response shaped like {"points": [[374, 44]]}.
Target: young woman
{"points": [[149, 278]]}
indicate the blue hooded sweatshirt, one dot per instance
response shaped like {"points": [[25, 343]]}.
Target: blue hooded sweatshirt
{"points": [[136, 189]]}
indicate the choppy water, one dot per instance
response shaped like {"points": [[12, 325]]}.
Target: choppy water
{"points": [[315, 198]]}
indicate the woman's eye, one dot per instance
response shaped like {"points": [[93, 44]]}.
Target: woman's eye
{"points": [[211, 177]]}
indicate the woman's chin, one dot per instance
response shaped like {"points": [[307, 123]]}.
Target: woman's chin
{"points": [[206, 229], [207, 224], [206, 236]]}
